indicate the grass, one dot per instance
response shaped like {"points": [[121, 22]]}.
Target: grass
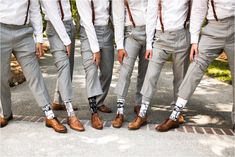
{"points": [[219, 70]]}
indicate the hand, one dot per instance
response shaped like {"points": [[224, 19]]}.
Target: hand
{"points": [[39, 50], [68, 49], [121, 54], [148, 54], [96, 58], [194, 51]]}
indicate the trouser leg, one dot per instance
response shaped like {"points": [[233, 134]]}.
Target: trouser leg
{"points": [[132, 48], [180, 67], [142, 68], [106, 71], [153, 72], [5, 55]]}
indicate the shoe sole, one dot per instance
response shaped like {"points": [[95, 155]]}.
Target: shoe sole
{"points": [[145, 123], [65, 131], [166, 130]]}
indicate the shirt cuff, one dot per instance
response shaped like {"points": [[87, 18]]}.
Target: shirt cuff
{"points": [[39, 38], [149, 46], [194, 39], [67, 42], [95, 48]]}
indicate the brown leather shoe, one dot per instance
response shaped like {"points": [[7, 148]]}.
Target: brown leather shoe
{"points": [[96, 122], [137, 109], [4, 121], [105, 109], [117, 122], [56, 106], [181, 119], [75, 124], [56, 125], [137, 123], [167, 125]]}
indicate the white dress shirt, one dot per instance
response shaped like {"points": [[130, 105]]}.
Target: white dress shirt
{"points": [[203, 8], [174, 14], [13, 12], [53, 14], [121, 17], [101, 8]]}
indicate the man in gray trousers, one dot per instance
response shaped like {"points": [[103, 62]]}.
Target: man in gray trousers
{"points": [[217, 36], [130, 36], [59, 28], [18, 22], [97, 53], [171, 38]]}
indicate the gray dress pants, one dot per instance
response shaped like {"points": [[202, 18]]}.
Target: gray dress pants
{"points": [[216, 37], [55, 42], [98, 84], [63, 89], [19, 40], [175, 43], [135, 46]]}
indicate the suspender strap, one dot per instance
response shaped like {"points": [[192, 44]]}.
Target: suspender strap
{"points": [[27, 13], [213, 8], [61, 10], [93, 11], [188, 15], [160, 14], [129, 13], [110, 8]]}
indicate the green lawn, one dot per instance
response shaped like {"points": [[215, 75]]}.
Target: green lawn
{"points": [[220, 70]]}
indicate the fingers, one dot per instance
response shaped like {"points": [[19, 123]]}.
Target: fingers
{"points": [[193, 52], [39, 50], [148, 54], [96, 58], [68, 49]]}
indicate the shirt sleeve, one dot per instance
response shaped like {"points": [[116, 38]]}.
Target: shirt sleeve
{"points": [[151, 22], [118, 12], [51, 9], [85, 12], [198, 14]]}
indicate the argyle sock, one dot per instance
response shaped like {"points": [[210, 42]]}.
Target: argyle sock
{"points": [[144, 108], [48, 112], [69, 108], [180, 104], [93, 105], [120, 106]]}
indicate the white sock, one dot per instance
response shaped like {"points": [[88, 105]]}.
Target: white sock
{"points": [[120, 106], [144, 108], [180, 104], [48, 112], [69, 108]]}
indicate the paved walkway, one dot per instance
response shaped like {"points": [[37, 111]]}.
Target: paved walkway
{"points": [[207, 118]]}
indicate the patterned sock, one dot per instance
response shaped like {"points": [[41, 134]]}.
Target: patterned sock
{"points": [[69, 108], [144, 108], [48, 112], [93, 105], [180, 104], [120, 106]]}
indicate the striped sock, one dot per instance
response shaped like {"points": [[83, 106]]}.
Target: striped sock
{"points": [[48, 112], [69, 108], [120, 106], [144, 108]]}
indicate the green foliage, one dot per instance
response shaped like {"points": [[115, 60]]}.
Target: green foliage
{"points": [[220, 70]]}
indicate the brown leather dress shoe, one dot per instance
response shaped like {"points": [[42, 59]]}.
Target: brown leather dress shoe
{"points": [[56, 106], [137, 123], [56, 125], [75, 124], [137, 109], [181, 119], [117, 122], [4, 121], [105, 109], [167, 125], [96, 122]]}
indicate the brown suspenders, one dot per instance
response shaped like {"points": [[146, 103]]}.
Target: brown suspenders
{"points": [[27, 13], [61, 10], [213, 8], [129, 13], [160, 14]]}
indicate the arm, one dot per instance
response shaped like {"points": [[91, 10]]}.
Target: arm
{"points": [[118, 21], [85, 12], [151, 22], [54, 17]]}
